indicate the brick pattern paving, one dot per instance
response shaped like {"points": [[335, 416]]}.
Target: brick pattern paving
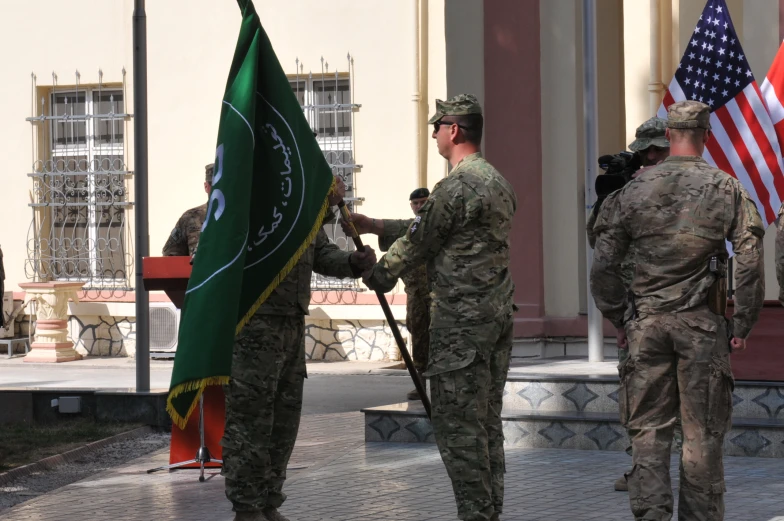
{"points": [[335, 476]]}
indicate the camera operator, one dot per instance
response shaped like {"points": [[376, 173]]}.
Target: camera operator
{"points": [[648, 149]]}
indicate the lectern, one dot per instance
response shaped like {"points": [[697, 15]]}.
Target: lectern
{"points": [[171, 274]]}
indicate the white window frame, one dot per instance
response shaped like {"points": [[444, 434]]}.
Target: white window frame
{"points": [[90, 150]]}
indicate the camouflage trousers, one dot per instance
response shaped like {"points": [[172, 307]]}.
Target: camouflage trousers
{"points": [[263, 407], [466, 420], [623, 355], [418, 325], [678, 360]]}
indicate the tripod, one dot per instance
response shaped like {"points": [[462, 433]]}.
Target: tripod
{"points": [[202, 455]]}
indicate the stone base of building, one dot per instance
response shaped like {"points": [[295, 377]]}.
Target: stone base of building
{"points": [[52, 353]]}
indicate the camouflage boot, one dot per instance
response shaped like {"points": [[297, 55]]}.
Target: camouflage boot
{"points": [[250, 516], [272, 514]]}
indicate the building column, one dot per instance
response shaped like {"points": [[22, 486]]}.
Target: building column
{"points": [[513, 142]]}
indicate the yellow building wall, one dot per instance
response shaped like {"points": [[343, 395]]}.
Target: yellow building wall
{"points": [[190, 47]]}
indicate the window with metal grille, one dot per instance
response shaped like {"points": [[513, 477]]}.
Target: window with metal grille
{"points": [[328, 105], [80, 188]]}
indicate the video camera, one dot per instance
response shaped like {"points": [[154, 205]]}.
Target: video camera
{"points": [[618, 170]]}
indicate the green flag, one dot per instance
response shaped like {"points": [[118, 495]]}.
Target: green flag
{"points": [[268, 200]]}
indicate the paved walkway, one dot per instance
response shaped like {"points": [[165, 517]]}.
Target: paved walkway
{"points": [[335, 476], [120, 373]]}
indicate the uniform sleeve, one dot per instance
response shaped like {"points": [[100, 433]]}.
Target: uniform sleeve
{"points": [[746, 234], [589, 229], [393, 230], [780, 253], [612, 243], [424, 238], [330, 260], [177, 243]]}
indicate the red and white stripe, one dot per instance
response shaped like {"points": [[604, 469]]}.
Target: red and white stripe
{"points": [[744, 144]]}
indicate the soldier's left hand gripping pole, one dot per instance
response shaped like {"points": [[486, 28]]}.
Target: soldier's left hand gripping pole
{"points": [[382, 299]]}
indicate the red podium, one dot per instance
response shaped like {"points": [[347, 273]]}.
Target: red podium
{"points": [[202, 438]]}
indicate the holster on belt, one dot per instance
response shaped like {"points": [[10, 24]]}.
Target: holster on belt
{"points": [[717, 293]]}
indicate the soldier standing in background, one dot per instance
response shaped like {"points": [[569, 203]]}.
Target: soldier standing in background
{"points": [[416, 282], [677, 216], [462, 232], [185, 236], [264, 395], [651, 147]]}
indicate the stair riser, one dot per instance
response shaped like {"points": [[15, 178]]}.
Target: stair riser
{"points": [[750, 401], [580, 435]]}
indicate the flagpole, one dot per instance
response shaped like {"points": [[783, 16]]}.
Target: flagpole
{"points": [[590, 109], [142, 243], [382, 299]]}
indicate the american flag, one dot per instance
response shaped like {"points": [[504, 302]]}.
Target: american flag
{"points": [[714, 71]]}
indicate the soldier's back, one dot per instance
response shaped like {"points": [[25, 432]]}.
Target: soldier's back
{"points": [[678, 216]]}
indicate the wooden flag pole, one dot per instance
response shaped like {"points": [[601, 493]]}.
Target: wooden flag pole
{"points": [[382, 299]]}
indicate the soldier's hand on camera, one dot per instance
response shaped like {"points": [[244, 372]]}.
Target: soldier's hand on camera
{"points": [[363, 260], [738, 344], [620, 338], [362, 223], [338, 193]]}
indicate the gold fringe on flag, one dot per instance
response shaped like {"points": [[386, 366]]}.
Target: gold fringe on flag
{"points": [[200, 385]]}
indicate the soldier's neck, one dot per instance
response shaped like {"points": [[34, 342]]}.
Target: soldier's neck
{"points": [[686, 149], [460, 152]]}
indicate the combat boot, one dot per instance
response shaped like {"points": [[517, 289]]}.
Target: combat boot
{"points": [[621, 485], [273, 515], [250, 516]]}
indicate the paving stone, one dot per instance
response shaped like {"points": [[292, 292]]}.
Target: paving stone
{"points": [[338, 477]]}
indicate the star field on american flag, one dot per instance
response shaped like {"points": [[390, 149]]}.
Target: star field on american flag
{"points": [[714, 69]]}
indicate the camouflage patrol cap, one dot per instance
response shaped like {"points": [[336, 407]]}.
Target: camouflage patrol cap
{"points": [[650, 134], [688, 114], [460, 105], [208, 170]]}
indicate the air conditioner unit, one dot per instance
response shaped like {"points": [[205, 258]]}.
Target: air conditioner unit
{"points": [[8, 309], [164, 325]]}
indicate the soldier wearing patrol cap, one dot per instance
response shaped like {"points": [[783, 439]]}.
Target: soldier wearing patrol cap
{"points": [[185, 236], [462, 232], [677, 217], [652, 147]]}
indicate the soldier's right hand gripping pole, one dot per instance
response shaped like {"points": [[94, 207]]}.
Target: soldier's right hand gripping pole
{"points": [[382, 299]]}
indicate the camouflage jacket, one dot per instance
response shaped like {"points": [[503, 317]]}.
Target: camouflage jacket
{"points": [[678, 216], [780, 253], [185, 236], [627, 265], [416, 281], [462, 232], [292, 296]]}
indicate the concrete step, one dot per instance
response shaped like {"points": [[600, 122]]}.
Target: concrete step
{"points": [[584, 430], [599, 394]]}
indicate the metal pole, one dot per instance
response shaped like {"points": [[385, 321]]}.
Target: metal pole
{"points": [[140, 190], [590, 109], [382, 299]]}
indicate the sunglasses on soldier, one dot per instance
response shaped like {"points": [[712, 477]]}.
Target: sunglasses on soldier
{"points": [[437, 125]]}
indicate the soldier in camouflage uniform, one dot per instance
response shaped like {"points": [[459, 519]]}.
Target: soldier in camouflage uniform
{"points": [[678, 216], [652, 147], [185, 236], [416, 283], [264, 396], [462, 232]]}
